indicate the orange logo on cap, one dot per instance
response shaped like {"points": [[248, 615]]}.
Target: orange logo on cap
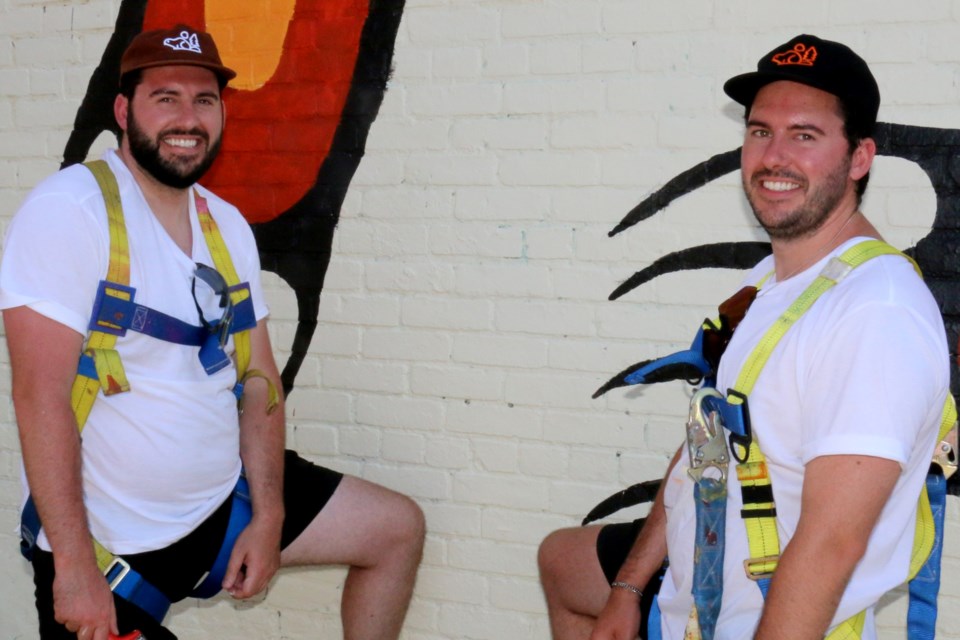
{"points": [[800, 54]]}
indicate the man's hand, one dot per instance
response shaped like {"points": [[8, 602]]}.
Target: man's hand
{"points": [[83, 603], [620, 618], [254, 560]]}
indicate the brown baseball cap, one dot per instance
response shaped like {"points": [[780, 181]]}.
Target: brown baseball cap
{"points": [[178, 45]]}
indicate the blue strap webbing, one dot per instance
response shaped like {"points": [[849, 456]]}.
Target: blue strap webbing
{"points": [[29, 528], [134, 589], [922, 611], [654, 631], [112, 314], [241, 511], [710, 496]]}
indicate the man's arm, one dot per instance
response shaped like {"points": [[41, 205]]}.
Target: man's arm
{"points": [[620, 618], [843, 496], [43, 359], [256, 556]]}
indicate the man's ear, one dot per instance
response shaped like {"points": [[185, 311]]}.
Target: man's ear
{"points": [[120, 107], [862, 158]]}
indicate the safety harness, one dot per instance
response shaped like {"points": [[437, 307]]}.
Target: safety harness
{"points": [[101, 369], [714, 415]]}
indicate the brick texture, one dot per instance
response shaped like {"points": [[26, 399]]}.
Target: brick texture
{"points": [[465, 321]]}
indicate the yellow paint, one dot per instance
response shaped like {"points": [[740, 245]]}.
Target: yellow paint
{"points": [[250, 35]]}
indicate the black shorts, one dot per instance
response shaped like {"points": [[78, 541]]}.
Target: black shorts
{"points": [[176, 569], [613, 545]]}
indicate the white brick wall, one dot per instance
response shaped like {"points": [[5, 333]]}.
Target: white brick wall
{"points": [[465, 322]]}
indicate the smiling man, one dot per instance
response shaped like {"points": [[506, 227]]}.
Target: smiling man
{"points": [[135, 318], [845, 408]]}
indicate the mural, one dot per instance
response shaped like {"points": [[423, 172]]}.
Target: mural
{"points": [[311, 78]]}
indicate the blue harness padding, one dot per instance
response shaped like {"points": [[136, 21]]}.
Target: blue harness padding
{"points": [[922, 610], [692, 357], [130, 585]]}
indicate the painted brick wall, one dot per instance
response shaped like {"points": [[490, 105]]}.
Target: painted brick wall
{"points": [[465, 322]]}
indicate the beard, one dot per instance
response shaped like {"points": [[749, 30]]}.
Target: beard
{"points": [[812, 213], [175, 172]]}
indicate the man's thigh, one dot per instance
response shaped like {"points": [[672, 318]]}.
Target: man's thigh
{"points": [[359, 521], [614, 543], [307, 488]]}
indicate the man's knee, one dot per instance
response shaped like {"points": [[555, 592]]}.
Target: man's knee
{"points": [[408, 526], [550, 556]]}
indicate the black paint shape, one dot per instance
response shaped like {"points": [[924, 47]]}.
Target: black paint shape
{"points": [[296, 245], [633, 495], [729, 255], [95, 114]]}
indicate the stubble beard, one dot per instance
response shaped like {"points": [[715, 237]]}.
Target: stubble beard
{"points": [[812, 213], [175, 172]]}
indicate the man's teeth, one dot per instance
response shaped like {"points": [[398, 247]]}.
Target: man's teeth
{"points": [[779, 186], [181, 142]]}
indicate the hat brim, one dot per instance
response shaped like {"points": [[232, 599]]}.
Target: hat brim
{"points": [[223, 72], [744, 88]]}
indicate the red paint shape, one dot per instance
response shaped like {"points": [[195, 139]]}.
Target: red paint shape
{"points": [[278, 136]]}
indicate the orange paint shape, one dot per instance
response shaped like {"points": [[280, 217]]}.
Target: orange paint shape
{"points": [[250, 36]]}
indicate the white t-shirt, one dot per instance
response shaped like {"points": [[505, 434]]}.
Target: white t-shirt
{"points": [[160, 459], [864, 371]]}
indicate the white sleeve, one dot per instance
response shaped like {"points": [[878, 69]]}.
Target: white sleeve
{"points": [[872, 383], [54, 258]]}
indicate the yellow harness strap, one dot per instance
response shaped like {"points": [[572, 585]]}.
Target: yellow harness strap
{"points": [[101, 345], [762, 536], [221, 260]]}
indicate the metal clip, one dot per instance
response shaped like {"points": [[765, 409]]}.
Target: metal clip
{"points": [[706, 443], [117, 579], [945, 454]]}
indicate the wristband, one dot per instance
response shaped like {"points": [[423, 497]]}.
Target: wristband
{"points": [[626, 586]]}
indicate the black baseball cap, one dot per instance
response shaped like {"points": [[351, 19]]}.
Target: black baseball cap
{"points": [[822, 64]]}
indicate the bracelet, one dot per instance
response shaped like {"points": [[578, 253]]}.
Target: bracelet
{"points": [[627, 587]]}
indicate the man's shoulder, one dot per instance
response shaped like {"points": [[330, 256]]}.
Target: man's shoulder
{"points": [[220, 208], [75, 182]]}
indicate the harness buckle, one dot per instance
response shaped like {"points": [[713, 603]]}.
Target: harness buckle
{"points": [[945, 455], [760, 568], [706, 444], [121, 574]]}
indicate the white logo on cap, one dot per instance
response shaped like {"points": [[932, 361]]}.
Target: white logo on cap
{"points": [[186, 42]]}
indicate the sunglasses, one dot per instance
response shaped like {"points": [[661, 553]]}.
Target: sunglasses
{"points": [[212, 354]]}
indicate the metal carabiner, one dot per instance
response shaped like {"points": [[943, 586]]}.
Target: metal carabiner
{"points": [[706, 442], [945, 454]]}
